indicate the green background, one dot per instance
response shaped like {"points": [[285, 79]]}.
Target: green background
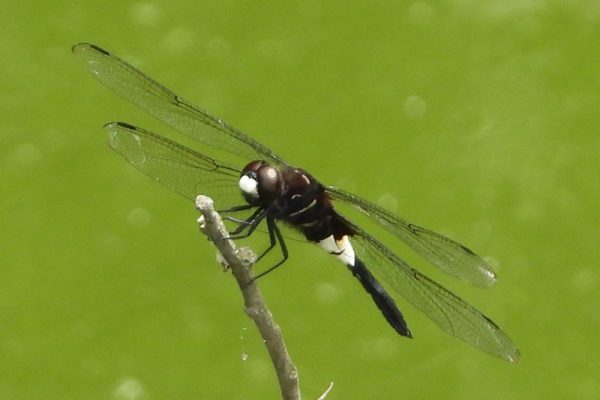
{"points": [[477, 118]]}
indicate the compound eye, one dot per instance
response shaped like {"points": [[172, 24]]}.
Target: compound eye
{"points": [[269, 183], [252, 168]]}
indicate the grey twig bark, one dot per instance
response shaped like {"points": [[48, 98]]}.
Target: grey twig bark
{"points": [[239, 261]]}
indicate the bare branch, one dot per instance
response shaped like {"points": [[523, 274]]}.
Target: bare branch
{"points": [[240, 260]]}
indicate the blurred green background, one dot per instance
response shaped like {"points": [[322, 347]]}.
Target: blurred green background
{"points": [[478, 119]]}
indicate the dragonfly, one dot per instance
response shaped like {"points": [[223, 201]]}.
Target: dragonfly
{"points": [[269, 191]]}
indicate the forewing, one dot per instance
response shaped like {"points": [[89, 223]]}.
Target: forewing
{"points": [[182, 170], [160, 102], [448, 255], [447, 310]]}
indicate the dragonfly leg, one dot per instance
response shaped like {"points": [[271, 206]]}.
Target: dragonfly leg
{"points": [[238, 220], [251, 224], [275, 236], [243, 223], [236, 208]]}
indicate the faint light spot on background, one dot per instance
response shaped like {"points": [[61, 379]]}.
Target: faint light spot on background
{"points": [[259, 368], [327, 293], [26, 154], [388, 201], [585, 280], [379, 348], [129, 389], [218, 48], [587, 388], [145, 14], [113, 244], [213, 93], [415, 107], [529, 212], [420, 13], [180, 39], [591, 11], [196, 322], [139, 217], [502, 9]]}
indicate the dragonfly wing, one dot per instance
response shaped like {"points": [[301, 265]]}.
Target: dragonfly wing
{"points": [[143, 91], [448, 311], [182, 170], [448, 255]]}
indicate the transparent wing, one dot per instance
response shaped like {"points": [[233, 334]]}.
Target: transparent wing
{"points": [[182, 170], [448, 255], [447, 310], [160, 102]]}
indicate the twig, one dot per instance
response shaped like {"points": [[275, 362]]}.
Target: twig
{"points": [[239, 261]]}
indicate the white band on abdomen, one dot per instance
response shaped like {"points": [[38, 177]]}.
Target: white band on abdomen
{"points": [[341, 249]]}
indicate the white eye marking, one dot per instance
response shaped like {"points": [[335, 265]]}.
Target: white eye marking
{"points": [[342, 249], [306, 179], [249, 186]]}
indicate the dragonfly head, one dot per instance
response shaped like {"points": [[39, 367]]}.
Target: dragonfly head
{"points": [[260, 183]]}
